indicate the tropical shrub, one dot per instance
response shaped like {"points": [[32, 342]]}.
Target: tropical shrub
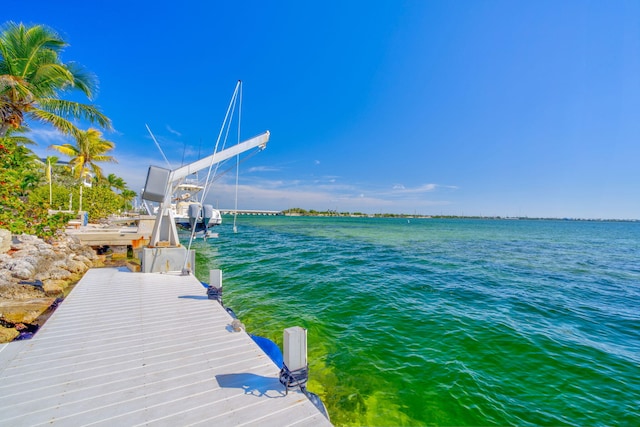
{"points": [[18, 212], [98, 202]]}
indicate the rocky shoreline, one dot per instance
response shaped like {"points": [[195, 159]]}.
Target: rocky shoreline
{"points": [[34, 276]]}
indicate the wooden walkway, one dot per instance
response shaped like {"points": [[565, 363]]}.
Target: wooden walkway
{"points": [[143, 349]]}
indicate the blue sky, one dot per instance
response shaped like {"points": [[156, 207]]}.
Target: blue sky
{"points": [[462, 108]]}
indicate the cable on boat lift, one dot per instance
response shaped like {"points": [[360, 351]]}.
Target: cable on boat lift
{"points": [[226, 124], [235, 213], [158, 145]]}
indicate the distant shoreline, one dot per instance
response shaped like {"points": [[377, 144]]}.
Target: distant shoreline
{"points": [[312, 213]]}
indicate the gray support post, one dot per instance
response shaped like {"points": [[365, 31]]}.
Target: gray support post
{"points": [[215, 285], [295, 371], [295, 348]]}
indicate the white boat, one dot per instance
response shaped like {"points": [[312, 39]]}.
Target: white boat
{"points": [[189, 213]]}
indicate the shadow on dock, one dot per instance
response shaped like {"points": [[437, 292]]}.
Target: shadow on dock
{"points": [[252, 384], [203, 297]]}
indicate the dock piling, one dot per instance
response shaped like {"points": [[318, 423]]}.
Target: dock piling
{"points": [[295, 371], [215, 285]]}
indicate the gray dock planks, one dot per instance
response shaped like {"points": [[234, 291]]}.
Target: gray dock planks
{"points": [[143, 349]]}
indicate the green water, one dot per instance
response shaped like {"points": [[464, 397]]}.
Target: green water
{"points": [[447, 322]]}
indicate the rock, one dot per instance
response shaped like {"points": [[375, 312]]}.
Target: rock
{"points": [[5, 277], [5, 240], [86, 261], [46, 270], [22, 268], [60, 274], [75, 266], [22, 241], [55, 287], [7, 334], [24, 311], [18, 292]]}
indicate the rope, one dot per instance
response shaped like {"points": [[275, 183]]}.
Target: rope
{"points": [[215, 294], [291, 379]]}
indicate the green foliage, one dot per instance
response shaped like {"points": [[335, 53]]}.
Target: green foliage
{"points": [[18, 212], [113, 181], [298, 211], [312, 212], [60, 196], [127, 197], [98, 202], [51, 224], [10, 182]]}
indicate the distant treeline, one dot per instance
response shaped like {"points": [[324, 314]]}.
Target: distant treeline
{"points": [[312, 212], [335, 213]]}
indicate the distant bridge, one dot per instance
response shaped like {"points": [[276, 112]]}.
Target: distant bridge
{"points": [[249, 212]]}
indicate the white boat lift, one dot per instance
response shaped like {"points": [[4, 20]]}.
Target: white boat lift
{"points": [[164, 252]]}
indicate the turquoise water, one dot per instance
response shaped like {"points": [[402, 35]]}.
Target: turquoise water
{"points": [[447, 322]]}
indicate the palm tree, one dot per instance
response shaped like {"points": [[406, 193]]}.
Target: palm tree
{"points": [[113, 181], [90, 148], [127, 196], [32, 76]]}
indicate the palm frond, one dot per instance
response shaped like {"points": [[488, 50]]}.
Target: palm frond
{"points": [[75, 109], [104, 158], [60, 123], [51, 77], [83, 80], [21, 139], [66, 149], [40, 39]]}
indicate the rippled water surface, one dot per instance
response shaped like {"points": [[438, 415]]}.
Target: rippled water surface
{"points": [[447, 322]]}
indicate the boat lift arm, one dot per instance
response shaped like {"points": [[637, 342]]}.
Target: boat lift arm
{"points": [[184, 171], [160, 185]]}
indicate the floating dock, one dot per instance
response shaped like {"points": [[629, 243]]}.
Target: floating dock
{"points": [[144, 349]]}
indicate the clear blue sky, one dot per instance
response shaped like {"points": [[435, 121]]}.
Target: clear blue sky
{"points": [[528, 108]]}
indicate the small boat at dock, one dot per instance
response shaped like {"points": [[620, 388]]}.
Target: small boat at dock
{"points": [[189, 213]]}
